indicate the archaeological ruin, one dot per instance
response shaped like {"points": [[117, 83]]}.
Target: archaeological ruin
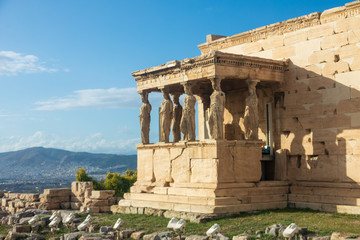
{"points": [[278, 122]]}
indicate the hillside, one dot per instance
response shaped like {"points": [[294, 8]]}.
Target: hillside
{"points": [[48, 165]]}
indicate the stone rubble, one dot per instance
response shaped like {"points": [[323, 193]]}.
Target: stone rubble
{"points": [[79, 197], [21, 230]]}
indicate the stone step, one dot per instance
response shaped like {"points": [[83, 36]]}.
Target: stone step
{"points": [[333, 191], [324, 199], [207, 200], [326, 207], [206, 209], [252, 191], [183, 199]]}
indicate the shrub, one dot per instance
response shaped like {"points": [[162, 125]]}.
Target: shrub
{"points": [[113, 181]]}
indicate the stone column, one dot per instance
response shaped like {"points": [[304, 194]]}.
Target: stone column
{"points": [[145, 118], [187, 123], [217, 106], [251, 115], [165, 116], [176, 117]]}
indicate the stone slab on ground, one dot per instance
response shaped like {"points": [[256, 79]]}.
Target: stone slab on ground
{"points": [[126, 233], [138, 234], [340, 235], [196, 237], [152, 236], [18, 228], [72, 236], [243, 236]]}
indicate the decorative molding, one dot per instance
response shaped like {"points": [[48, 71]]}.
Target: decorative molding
{"points": [[291, 25], [204, 65]]}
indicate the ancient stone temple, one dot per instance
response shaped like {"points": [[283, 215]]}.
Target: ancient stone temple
{"points": [[278, 118]]}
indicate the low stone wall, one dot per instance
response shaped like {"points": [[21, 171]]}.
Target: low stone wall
{"points": [[80, 196], [15, 202]]}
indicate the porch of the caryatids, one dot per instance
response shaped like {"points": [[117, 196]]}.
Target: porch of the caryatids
{"points": [[187, 123], [251, 115], [165, 116], [217, 106], [176, 117], [145, 118]]}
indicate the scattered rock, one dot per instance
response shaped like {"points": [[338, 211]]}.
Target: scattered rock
{"points": [[33, 236], [19, 228], [220, 236], [46, 220], [24, 220], [165, 236], [303, 230], [340, 235], [152, 236], [126, 233], [106, 229], [24, 214], [11, 220], [196, 237], [259, 236], [319, 238], [72, 236], [3, 214], [137, 235], [14, 236], [243, 236]]}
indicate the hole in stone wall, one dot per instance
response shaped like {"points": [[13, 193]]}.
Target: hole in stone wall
{"points": [[321, 88], [326, 152], [298, 161], [286, 133], [336, 58]]}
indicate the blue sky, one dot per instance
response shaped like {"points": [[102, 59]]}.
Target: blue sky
{"points": [[65, 65]]}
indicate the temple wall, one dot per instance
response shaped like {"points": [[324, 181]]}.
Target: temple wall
{"points": [[318, 122], [320, 116]]}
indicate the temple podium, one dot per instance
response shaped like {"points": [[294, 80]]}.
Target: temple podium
{"points": [[219, 173]]}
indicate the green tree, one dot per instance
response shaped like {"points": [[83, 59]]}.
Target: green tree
{"points": [[81, 176], [113, 181]]}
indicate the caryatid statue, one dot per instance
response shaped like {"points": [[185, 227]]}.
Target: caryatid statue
{"points": [[144, 116], [251, 115], [176, 118], [217, 104], [187, 123], [165, 116]]}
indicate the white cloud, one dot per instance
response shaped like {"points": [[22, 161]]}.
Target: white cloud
{"points": [[12, 63], [94, 98], [96, 143]]}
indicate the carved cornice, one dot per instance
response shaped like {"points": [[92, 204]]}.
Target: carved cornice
{"points": [[212, 64], [291, 25]]}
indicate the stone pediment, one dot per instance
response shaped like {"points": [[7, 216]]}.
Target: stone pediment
{"points": [[214, 64]]}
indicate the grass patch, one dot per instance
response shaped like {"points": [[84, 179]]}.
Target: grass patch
{"points": [[4, 229], [319, 223]]}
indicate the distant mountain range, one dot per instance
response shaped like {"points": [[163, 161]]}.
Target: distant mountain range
{"points": [[39, 163]]}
